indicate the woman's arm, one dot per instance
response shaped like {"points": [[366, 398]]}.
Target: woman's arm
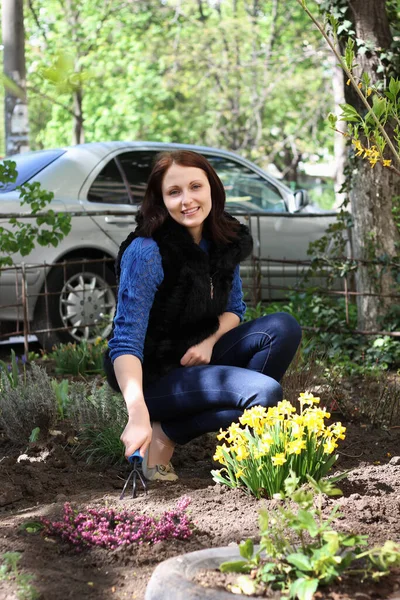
{"points": [[201, 353], [137, 433]]}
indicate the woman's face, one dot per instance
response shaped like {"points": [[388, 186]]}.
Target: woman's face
{"points": [[187, 196]]}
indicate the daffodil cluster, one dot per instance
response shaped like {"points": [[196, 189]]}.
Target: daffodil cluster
{"points": [[262, 449]]}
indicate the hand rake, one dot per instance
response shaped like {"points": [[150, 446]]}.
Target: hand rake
{"points": [[135, 460]]}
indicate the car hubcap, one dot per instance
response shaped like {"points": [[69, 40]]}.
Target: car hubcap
{"points": [[87, 305]]}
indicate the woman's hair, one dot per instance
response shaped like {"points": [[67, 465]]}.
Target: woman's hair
{"points": [[218, 226]]}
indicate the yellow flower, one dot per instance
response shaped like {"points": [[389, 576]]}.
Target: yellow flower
{"points": [[279, 459], [254, 417], [222, 434], [219, 456], [348, 82], [369, 92], [296, 446], [372, 162], [338, 430], [235, 432], [285, 407], [239, 473], [358, 146], [98, 340], [387, 163], [330, 446], [241, 452], [307, 398], [359, 85]]}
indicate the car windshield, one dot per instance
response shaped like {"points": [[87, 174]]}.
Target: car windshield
{"points": [[29, 164]]}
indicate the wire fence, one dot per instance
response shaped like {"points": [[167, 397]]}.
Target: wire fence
{"points": [[78, 295]]}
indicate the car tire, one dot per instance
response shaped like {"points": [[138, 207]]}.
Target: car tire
{"points": [[79, 296]]}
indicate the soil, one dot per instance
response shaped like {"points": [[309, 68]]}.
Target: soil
{"points": [[370, 505]]}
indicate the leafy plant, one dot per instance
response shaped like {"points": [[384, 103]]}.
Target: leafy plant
{"points": [[108, 528], [272, 443], [302, 549], [61, 393], [11, 371], [23, 235], [79, 359], [99, 415], [9, 571]]}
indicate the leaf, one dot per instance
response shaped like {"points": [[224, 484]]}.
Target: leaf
{"points": [[304, 588], [235, 566], [300, 561], [246, 549], [349, 113]]}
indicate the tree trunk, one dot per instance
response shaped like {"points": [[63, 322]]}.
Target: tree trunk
{"points": [[15, 107], [375, 233], [78, 134]]}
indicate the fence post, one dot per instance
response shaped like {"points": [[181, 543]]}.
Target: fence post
{"points": [[25, 310]]}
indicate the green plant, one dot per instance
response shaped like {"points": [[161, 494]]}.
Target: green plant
{"points": [[272, 443], [9, 571], [99, 415], [79, 359], [302, 549], [10, 371], [61, 393], [26, 233], [29, 404]]}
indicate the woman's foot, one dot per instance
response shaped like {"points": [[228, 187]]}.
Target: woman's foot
{"points": [[158, 472]]}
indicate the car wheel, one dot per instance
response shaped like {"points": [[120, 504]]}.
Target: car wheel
{"points": [[81, 298]]}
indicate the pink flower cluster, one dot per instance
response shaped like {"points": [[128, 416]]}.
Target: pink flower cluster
{"points": [[107, 528]]}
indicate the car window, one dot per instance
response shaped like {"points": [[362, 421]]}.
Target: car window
{"points": [[109, 187], [30, 164], [246, 189], [137, 167]]}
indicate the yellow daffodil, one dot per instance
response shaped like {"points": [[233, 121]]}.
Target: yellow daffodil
{"points": [[239, 473], [219, 456], [330, 446], [222, 435], [285, 407], [279, 459], [235, 432], [296, 446], [307, 398], [241, 452]]}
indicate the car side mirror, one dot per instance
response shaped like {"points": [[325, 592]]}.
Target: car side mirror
{"points": [[301, 199]]}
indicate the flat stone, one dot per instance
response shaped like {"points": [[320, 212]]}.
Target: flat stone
{"points": [[395, 460]]}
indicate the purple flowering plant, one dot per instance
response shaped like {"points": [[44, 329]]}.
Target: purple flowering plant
{"points": [[108, 528]]}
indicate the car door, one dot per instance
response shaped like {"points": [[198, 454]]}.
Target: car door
{"points": [[278, 234]]}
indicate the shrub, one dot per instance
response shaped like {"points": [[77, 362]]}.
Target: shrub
{"points": [[274, 442], [26, 403]]}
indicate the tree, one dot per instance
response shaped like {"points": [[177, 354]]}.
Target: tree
{"points": [[373, 191], [15, 101]]}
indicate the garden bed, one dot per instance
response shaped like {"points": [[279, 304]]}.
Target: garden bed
{"points": [[371, 505]]}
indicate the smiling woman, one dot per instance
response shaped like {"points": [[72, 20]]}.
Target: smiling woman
{"points": [[177, 354]]}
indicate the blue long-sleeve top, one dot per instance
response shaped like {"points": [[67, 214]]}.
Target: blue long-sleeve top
{"points": [[141, 275]]}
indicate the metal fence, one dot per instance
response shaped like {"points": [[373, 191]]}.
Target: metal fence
{"points": [[264, 279]]}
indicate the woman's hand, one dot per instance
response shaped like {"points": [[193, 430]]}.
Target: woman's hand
{"points": [[137, 433], [199, 354]]}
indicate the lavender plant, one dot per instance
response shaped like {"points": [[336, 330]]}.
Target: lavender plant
{"points": [[108, 528]]}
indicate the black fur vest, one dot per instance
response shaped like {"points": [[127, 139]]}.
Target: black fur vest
{"points": [[193, 294]]}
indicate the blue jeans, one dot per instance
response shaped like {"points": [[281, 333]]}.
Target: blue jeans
{"points": [[245, 369]]}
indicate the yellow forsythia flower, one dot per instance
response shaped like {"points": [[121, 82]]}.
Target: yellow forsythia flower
{"points": [[348, 82], [279, 459], [358, 146], [387, 163], [369, 92]]}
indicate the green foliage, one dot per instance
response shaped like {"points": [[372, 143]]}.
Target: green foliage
{"points": [[303, 551], [21, 235], [99, 415], [222, 74], [11, 371], [329, 337], [79, 359], [273, 443], [9, 571]]}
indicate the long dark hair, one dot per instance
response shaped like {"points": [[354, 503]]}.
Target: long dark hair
{"points": [[218, 226]]}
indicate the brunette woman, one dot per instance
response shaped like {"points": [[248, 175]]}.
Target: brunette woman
{"points": [[178, 354]]}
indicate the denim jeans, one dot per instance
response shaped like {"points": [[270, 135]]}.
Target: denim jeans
{"points": [[245, 369]]}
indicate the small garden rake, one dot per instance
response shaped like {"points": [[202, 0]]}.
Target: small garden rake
{"points": [[135, 460]]}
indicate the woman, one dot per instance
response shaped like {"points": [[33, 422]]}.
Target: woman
{"points": [[178, 355]]}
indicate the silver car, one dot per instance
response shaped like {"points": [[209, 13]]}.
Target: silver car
{"points": [[78, 300]]}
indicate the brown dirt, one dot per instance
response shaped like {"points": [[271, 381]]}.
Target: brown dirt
{"points": [[370, 503]]}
